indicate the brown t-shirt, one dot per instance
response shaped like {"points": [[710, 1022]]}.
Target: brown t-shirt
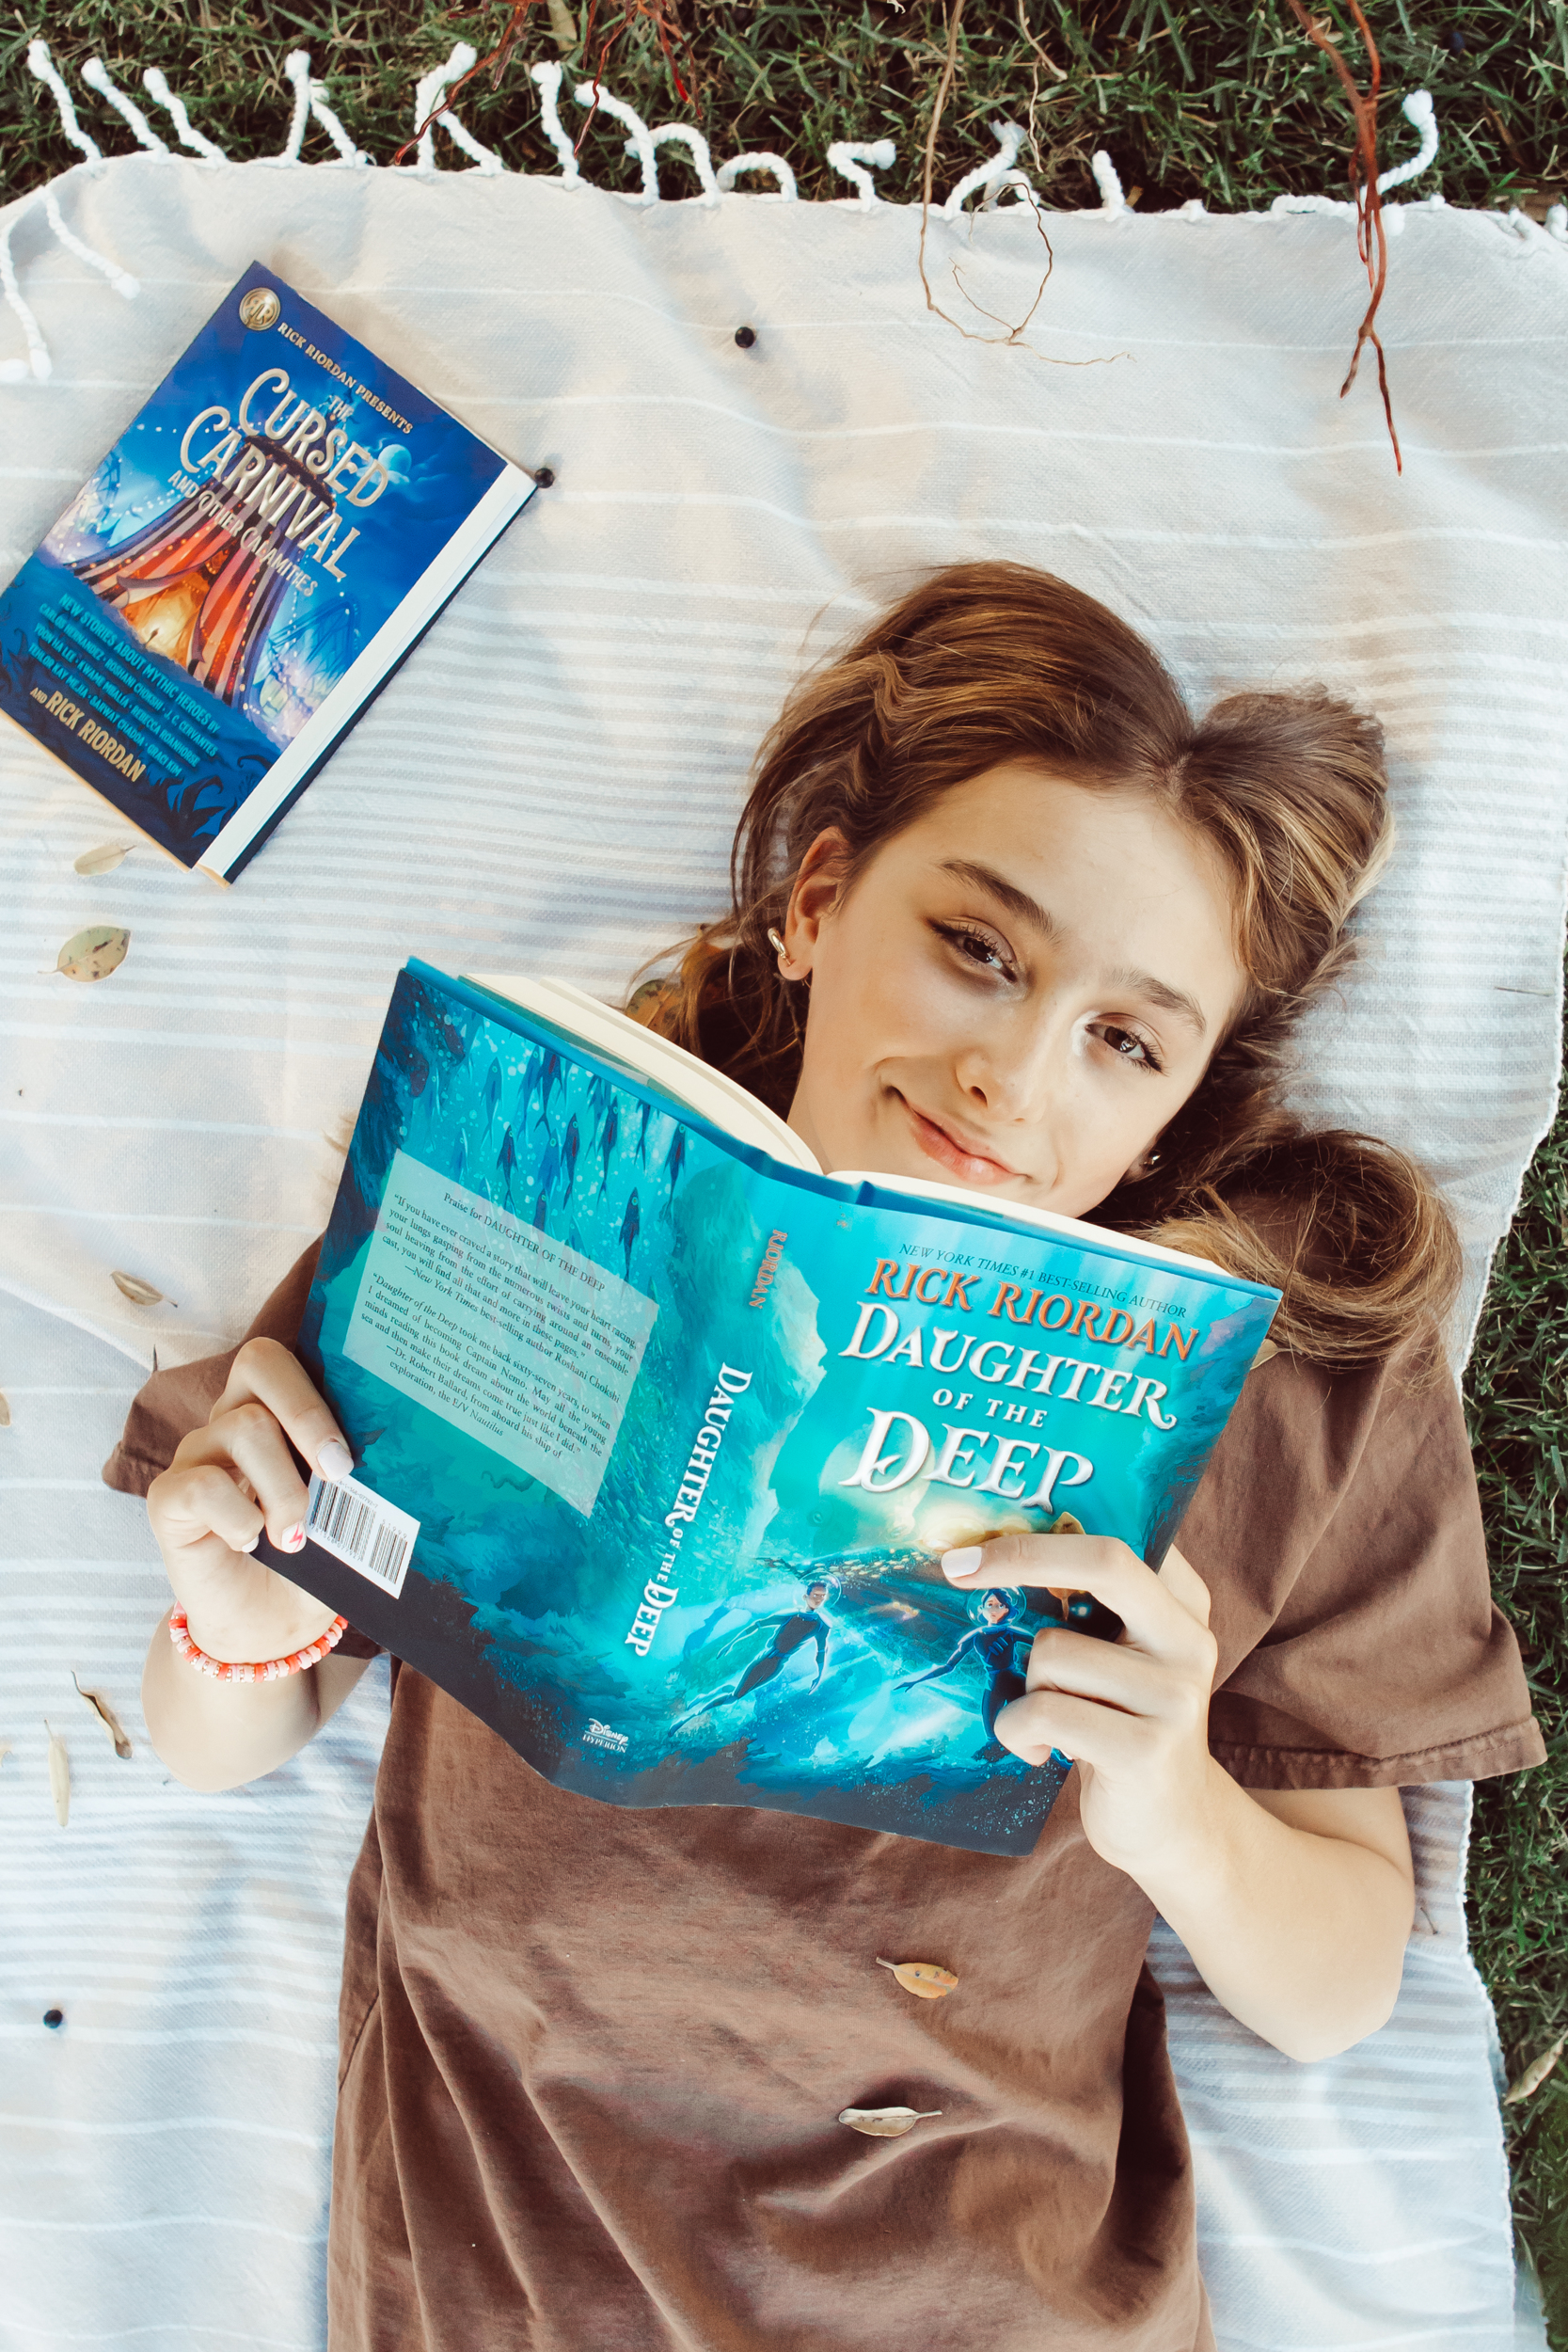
{"points": [[593, 2059]]}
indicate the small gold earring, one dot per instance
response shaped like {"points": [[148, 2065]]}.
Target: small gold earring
{"points": [[776, 942]]}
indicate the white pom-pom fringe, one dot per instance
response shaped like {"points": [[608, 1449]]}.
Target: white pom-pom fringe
{"points": [[1556, 223], [310, 99], [159, 90], [97, 76], [1023, 192], [40, 63], [641, 144], [546, 77], [38, 363], [688, 136], [427, 98], [1106, 180], [1419, 112], [120, 280], [297, 65], [988, 180], [847, 156], [785, 192]]}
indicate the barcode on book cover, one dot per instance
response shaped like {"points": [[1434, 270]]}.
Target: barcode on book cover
{"points": [[362, 1530]]}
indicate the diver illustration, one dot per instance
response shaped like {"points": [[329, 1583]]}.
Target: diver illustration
{"points": [[995, 1643], [792, 1629]]}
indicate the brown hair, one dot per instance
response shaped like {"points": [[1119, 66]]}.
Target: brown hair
{"points": [[987, 663]]}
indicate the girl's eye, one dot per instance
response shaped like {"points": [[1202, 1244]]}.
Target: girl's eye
{"points": [[1129, 1047], [980, 948]]}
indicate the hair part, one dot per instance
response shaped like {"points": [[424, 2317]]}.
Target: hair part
{"points": [[986, 664]]}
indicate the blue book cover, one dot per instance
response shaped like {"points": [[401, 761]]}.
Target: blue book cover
{"points": [[660, 1439], [263, 545]]}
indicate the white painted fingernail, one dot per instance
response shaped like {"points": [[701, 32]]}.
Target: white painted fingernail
{"points": [[335, 1460], [254, 1541], [957, 1564], [294, 1539]]}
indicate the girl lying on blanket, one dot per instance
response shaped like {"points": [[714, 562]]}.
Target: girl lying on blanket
{"points": [[1004, 916]]}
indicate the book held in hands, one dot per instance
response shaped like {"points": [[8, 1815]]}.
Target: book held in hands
{"points": [[263, 545], [660, 1431]]}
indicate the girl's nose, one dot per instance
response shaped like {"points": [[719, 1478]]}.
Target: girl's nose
{"points": [[1017, 1071]]}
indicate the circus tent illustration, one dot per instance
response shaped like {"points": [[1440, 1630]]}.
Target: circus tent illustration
{"points": [[193, 593]]}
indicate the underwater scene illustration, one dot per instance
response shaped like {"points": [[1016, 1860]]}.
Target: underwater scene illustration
{"points": [[263, 515], [686, 1434]]}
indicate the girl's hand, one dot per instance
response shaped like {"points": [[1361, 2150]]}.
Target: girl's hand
{"points": [[226, 1484], [1132, 1713]]}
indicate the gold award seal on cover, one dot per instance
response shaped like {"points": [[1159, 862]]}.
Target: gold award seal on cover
{"points": [[261, 307]]}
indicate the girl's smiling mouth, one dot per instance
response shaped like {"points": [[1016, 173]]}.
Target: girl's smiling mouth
{"points": [[938, 1143]]}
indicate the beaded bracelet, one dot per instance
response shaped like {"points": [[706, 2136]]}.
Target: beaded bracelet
{"points": [[270, 1670]]}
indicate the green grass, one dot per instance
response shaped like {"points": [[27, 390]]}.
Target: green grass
{"points": [[1516, 1391], [1209, 98]]}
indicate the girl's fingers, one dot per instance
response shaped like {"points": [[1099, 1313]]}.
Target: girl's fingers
{"points": [[1113, 1673], [250, 1444], [264, 1373], [1169, 1620], [1099, 1737], [194, 1500]]}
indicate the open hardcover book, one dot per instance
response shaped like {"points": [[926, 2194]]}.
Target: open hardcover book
{"points": [[660, 1431]]}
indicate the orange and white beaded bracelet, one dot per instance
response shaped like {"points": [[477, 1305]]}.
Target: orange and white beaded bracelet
{"points": [[269, 1670]]}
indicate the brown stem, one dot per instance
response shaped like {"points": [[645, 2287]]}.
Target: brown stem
{"points": [[1372, 235], [497, 57]]}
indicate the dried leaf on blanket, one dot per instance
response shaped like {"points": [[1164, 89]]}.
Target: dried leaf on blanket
{"points": [[922, 1978], [103, 859], [59, 1775], [94, 954], [106, 1716], [886, 2123], [140, 1294], [4, 1414]]}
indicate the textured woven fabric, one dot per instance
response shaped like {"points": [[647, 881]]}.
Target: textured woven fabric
{"points": [[549, 784]]}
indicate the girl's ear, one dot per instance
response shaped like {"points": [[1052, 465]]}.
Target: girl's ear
{"points": [[816, 892]]}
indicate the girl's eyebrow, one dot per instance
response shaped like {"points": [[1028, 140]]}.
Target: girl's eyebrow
{"points": [[1159, 992], [1006, 894], [1028, 910]]}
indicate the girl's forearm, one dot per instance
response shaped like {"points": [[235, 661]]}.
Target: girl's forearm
{"points": [[1301, 1935], [216, 1735]]}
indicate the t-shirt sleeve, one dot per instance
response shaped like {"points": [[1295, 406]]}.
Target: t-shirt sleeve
{"points": [[1340, 1531], [174, 1402]]}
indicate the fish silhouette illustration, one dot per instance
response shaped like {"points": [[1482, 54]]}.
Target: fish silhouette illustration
{"points": [[631, 1225], [674, 1160], [607, 1145]]}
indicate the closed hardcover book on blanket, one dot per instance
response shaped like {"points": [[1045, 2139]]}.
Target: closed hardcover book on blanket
{"points": [[249, 565], [660, 1431]]}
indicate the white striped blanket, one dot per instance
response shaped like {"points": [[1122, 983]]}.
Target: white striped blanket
{"points": [[549, 784]]}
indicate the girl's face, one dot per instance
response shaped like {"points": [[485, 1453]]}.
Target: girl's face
{"points": [[1019, 993], [993, 1608]]}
